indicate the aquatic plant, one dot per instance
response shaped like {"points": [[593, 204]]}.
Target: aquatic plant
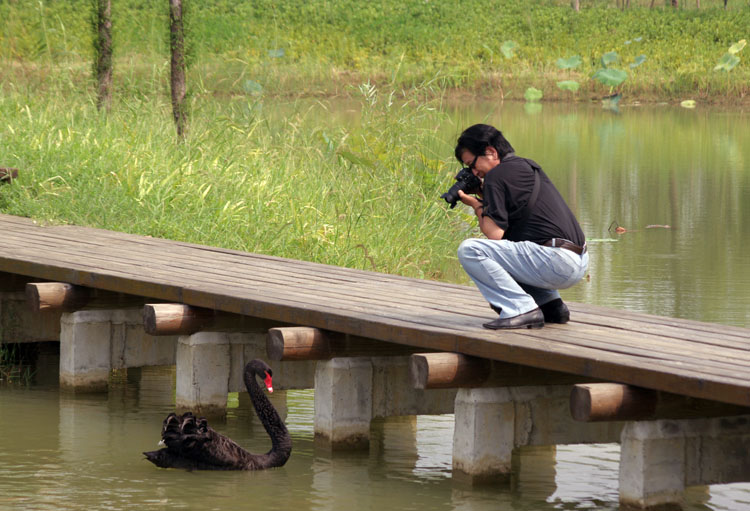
{"points": [[568, 63], [532, 95], [509, 48], [730, 59]]}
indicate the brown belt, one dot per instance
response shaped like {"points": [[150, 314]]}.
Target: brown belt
{"points": [[563, 243]]}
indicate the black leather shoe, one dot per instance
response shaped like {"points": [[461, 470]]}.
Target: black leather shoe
{"points": [[531, 319], [555, 311]]}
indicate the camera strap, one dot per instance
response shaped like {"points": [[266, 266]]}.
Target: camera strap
{"points": [[526, 213]]}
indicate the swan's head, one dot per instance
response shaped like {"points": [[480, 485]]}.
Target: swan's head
{"points": [[258, 367]]}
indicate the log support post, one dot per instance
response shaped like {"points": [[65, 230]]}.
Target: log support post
{"points": [[92, 343], [491, 422], [659, 459]]}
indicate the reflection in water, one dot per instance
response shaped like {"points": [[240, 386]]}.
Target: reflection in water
{"points": [[84, 452], [685, 169]]}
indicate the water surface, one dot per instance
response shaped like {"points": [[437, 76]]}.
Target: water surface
{"points": [[677, 180]]}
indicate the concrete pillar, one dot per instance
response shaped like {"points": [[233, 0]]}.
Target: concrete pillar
{"points": [[343, 402], [483, 434], [203, 373], [93, 342], [659, 459], [19, 324], [491, 422]]}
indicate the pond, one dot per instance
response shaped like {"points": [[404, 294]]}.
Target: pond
{"points": [[677, 182]]}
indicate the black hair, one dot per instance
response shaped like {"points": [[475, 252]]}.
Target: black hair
{"points": [[478, 137]]}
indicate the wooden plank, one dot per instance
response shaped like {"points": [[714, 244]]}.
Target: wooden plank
{"points": [[303, 297], [397, 309]]}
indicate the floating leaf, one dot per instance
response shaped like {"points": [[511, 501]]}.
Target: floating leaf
{"points": [[737, 47], [252, 87], [640, 59], [569, 63], [688, 103], [570, 85], [531, 95], [508, 48], [727, 62], [609, 58], [611, 77], [277, 53]]}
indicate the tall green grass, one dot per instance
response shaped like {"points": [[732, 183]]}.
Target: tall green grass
{"points": [[319, 47], [361, 193]]}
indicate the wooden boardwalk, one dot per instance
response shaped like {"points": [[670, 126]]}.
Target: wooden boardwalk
{"points": [[684, 357]]}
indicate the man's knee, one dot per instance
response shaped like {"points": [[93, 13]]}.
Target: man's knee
{"points": [[469, 249]]}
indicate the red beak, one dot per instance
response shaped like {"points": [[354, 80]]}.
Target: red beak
{"points": [[268, 382]]}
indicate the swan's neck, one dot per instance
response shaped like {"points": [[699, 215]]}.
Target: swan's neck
{"points": [[281, 442]]}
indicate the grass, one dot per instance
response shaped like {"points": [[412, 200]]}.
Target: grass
{"points": [[298, 180], [320, 48], [15, 364], [351, 193]]}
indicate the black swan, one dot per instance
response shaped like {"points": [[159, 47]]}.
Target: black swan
{"points": [[191, 444]]}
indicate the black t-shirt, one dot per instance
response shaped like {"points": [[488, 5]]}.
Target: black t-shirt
{"points": [[507, 189]]}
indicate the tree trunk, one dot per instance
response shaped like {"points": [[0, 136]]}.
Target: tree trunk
{"points": [[576, 4], [652, 4], [177, 75], [725, 4], [103, 52]]}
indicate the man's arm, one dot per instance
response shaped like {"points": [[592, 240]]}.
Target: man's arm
{"points": [[487, 225]]}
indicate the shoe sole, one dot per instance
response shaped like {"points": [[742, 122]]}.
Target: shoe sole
{"points": [[530, 325]]}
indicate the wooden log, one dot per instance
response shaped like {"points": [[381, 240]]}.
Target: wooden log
{"points": [[298, 343], [447, 370], [59, 296], [64, 297], [305, 343], [8, 174], [450, 370], [594, 402], [175, 318]]}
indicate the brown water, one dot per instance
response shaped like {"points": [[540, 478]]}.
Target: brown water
{"points": [[688, 169]]}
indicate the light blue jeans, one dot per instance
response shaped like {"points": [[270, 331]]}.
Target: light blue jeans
{"points": [[519, 276]]}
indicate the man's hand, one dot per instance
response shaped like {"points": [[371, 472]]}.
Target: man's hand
{"points": [[469, 200]]}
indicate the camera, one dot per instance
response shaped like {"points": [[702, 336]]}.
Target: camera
{"points": [[466, 181]]}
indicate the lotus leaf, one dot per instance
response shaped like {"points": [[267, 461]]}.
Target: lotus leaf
{"points": [[688, 103], [531, 95], [570, 85], [737, 47], [611, 77], [569, 63], [508, 48], [727, 62], [609, 58], [640, 59], [252, 87]]}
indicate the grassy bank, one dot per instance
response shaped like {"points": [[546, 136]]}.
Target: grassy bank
{"points": [[318, 47], [294, 182]]}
